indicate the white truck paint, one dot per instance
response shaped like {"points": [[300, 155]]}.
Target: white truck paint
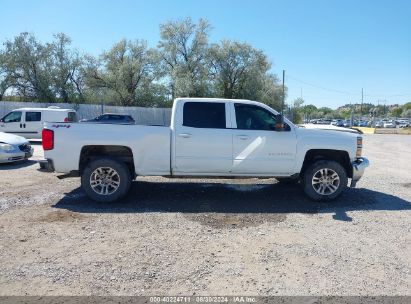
{"points": [[210, 144]]}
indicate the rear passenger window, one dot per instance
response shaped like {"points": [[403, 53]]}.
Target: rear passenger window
{"points": [[33, 116], [204, 115]]}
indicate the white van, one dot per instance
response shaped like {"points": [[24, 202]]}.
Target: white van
{"points": [[28, 122]]}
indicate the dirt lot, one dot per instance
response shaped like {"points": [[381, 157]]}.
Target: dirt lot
{"points": [[209, 237]]}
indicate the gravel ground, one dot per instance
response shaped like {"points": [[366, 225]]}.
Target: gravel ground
{"points": [[209, 237]]}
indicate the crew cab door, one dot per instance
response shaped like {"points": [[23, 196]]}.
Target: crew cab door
{"points": [[202, 139], [258, 149], [13, 123]]}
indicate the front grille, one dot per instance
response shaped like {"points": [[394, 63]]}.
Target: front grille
{"points": [[25, 148]]}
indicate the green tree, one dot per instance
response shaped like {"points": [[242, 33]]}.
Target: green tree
{"points": [[125, 70], [28, 62], [183, 48], [395, 112], [66, 77], [5, 80], [232, 64]]}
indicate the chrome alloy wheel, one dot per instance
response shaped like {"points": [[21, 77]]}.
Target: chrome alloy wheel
{"points": [[325, 181], [104, 180]]}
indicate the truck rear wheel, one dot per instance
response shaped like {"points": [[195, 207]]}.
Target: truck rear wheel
{"points": [[324, 180], [106, 180]]}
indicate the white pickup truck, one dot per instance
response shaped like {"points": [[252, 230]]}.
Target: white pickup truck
{"points": [[208, 138]]}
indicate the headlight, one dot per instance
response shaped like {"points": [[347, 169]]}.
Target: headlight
{"points": [[6, 147], [359, 147]]}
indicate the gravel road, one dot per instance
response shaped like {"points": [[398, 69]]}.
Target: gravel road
{"points": [[209, 237]]}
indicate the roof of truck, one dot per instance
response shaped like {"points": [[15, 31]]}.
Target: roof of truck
{"points": [[246, 101], [214, 99]]}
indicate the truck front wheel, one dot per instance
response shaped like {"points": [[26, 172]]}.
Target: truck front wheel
{"points": [[324, 180], [106, 180]]}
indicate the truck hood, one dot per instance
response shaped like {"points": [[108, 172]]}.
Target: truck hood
{"points": [[327, 139], [328, 127], [12, 139]]}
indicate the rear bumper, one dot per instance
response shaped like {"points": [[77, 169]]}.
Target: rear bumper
{"points": [[358, 168], [46, 165]]}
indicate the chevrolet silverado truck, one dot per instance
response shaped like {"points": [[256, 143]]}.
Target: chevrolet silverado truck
{"points": [[207, 138]]}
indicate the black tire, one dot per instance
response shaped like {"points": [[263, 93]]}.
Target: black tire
{"points": [[123, 180], [314, 169]]}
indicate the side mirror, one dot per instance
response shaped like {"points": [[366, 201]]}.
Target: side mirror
{"points": [[279, 122]]}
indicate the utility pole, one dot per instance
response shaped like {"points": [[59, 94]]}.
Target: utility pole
{"points": [[362, 101], [282, 103]]}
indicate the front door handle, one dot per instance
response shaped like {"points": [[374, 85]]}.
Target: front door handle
{"points": [[184, 135], [24, 125], [21, 126], [243, 137]]}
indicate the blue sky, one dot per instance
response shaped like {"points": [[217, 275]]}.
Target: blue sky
{"points": [[330, 49]]}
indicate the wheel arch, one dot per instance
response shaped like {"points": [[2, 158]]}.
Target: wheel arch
{"points": [[340, 156], [122, 153]]}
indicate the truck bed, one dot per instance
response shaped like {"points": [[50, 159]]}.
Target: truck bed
{"points": [[150, 144]]}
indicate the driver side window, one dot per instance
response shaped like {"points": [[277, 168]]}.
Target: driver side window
{"points": [[12, 117], [250, 117]]}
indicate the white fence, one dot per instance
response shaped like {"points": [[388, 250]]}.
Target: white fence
{"points": [[150, 116]]}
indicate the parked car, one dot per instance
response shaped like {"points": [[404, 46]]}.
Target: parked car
{"points": [[207, 137], [347, 123], [389, 124], [338, 122], [28, 122], [112, 119], [379, 124], [14, 148], [403, 123]]}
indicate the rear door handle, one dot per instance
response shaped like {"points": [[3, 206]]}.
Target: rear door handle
{"points": [[243, 137], [21, 126], [185, 135]]}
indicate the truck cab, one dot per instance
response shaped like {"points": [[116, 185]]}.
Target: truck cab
{"points": [[230, 137]]}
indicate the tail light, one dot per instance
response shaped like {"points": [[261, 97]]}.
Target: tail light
{"points": [[47, 139], [66, 119]]}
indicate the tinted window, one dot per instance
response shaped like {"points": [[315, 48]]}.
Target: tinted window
{"points": [[250, 117], [33, 116], [204, 115], [12, 117]]}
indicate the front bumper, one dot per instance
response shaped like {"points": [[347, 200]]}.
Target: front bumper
{"points": [[16, 155], [358, 168]]}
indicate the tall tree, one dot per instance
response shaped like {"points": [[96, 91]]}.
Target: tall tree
{"points": [[28, 62], [5, 78], [232, 63], [124, 69], [66, 77], [240, 71], [183, 48]]}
